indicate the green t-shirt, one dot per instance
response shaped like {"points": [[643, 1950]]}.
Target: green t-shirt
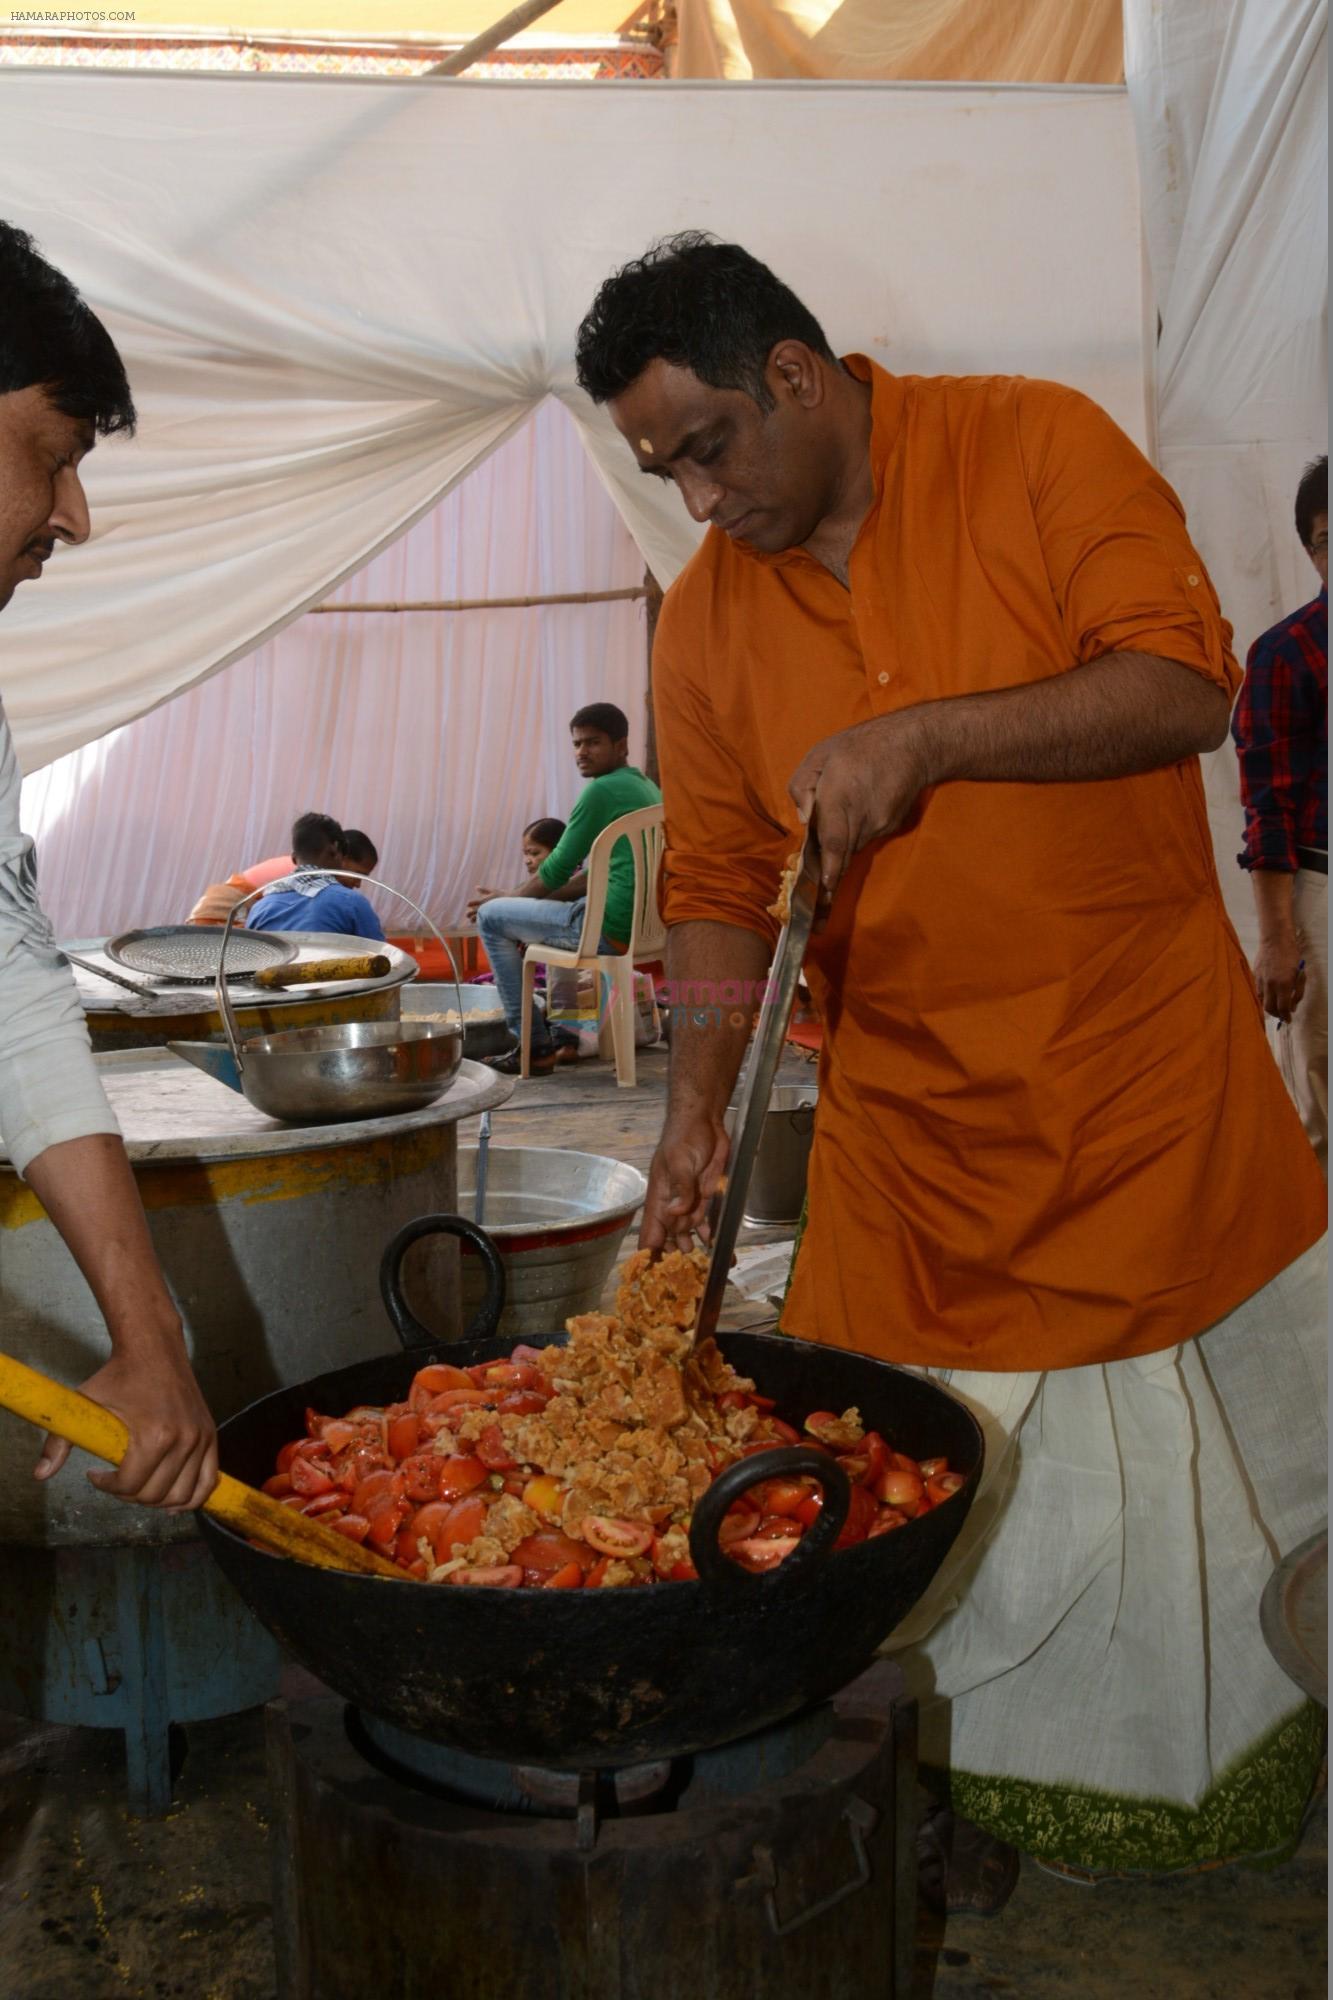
{"points": [[601, 801]]}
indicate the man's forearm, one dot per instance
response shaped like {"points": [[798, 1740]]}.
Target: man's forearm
{"points": [[715, 976], [1125, 713], [87, 1188], [1274, 899], [571, 891]]}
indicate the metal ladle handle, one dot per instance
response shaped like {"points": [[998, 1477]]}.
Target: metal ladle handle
{"points": [[229, 1023]]}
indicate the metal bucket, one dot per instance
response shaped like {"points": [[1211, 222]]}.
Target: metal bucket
{"points": [[485, 1030], [558, 1219], [777, 1185]]}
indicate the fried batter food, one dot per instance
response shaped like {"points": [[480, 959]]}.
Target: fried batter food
{"points": [[631, 1427], [782, 908]]}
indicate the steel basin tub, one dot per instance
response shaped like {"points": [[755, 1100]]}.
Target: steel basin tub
{"points": [[558, 1220]]}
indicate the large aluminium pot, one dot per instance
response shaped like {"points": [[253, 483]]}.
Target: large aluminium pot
{"points": [[578, 1679]]}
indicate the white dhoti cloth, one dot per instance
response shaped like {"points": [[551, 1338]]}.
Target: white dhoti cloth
{"points": [[1089, 1661]]}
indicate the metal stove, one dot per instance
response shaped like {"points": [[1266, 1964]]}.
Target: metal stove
{"points": [[778, 1867]]}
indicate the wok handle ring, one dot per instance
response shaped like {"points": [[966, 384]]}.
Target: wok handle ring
{"points": [[785, 1461], [406, 1325]]}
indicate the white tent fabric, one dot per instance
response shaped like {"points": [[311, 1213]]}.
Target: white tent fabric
{"points": [[1231, 106], [440, 734], [337, 295]]}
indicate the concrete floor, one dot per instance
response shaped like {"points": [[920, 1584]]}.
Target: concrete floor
{"points": [[95, 1903]]}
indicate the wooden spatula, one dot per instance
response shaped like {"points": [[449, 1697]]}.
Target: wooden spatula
{"points": [[50, 1406]]}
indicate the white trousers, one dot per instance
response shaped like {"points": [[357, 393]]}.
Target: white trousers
{"points": [[1097, 1624]]}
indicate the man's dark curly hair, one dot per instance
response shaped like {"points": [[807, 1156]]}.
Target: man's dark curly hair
{"points": [[1311, 499], [703, 305], [51, 339]]}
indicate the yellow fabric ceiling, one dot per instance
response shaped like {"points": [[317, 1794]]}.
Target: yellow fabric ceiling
{"points": [[998, 41], [373, 20]]}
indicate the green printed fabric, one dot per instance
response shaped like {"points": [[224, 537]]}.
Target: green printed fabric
{"points": [[1253, 1812]]}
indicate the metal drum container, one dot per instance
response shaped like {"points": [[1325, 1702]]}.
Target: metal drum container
{"points": [[269, 1236], [162, 1013], [777, 1185], [558, 1220]]}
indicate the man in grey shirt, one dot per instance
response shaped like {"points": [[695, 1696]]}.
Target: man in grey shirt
{"points": [[62, 385]]}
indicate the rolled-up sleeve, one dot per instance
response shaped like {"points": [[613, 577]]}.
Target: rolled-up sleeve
{"points": [[724, 859], [1119, 558], [49, 1087]]}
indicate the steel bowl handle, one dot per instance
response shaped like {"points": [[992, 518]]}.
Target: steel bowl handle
{"points": [[406, 1325], [785, 1461], [333, 875]]}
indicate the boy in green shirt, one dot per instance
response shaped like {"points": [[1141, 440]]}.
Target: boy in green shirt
{"points": [[548, 908]]}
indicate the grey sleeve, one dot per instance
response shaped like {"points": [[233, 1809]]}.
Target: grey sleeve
{"points": [[49, 1087]]}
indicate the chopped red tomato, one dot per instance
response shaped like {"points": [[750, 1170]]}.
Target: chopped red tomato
{"points": [[457, 1476], [404, 1479], [859, 1517], [384, 1525], [374, 1486], [550, 1549], [464, 1520], [616, 1537], [433, 1380], [462, 1399], [404, 1435], [761, 1554], [515, 1375], [308, 1479], [419, 1476], [522, 1403], [493, 1452], [783, 1496], [900, 1489]]}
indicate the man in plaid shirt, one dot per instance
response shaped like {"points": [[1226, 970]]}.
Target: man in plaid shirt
{"points": [[1281, 731]]}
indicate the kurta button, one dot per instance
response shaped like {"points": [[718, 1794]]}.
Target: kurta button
{"points": [[883, 680], [1191, 578]]}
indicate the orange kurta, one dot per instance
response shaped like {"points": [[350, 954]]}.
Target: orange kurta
{"points": [[1050, 1129]]}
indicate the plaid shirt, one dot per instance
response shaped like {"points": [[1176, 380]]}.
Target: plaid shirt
{"points": [[1281, 731]]}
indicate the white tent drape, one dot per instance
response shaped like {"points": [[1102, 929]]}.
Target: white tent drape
{"points": [[337, 295], [1231, 105], [440, 734]]}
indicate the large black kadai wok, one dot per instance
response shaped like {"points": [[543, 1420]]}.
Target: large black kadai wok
{"points": [[584, 1679]]}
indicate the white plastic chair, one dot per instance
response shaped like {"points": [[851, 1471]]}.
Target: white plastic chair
{"points": [[647, 939]]}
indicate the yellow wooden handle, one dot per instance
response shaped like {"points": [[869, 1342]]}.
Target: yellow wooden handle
{"points": [[306, 972], [94, 1429]]}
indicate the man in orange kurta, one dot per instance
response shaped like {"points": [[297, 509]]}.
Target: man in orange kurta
{"points": [[960, 622]]}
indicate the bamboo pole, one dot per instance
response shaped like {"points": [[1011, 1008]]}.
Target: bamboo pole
{"points": [[653, 594], [630, 593], [513, 23]]}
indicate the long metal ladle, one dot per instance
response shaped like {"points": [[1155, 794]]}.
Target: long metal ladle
{"points": [[726, 1211]]}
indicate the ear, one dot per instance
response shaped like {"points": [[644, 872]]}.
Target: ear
{"points": [[796, 373]]}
